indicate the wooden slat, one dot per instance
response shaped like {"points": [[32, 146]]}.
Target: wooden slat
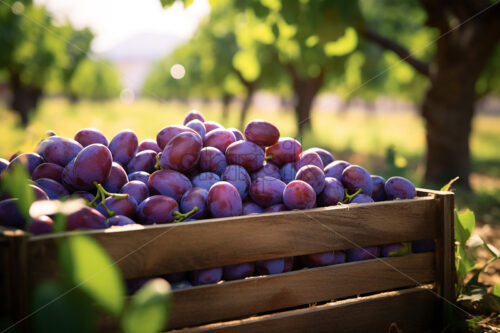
{"points": [[4, 276], [445, 252], [15, 277], [198, 305], [162, 249], [412, 310]]}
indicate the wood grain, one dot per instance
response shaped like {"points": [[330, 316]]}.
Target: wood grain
{"points": [[411, 310], [445, 253], [163, 249], [198, 305]]}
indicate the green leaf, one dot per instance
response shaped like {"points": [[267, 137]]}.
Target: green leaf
{"points": [[57, 308], [247, 63], [167, 3], [15, 181], [149, 309], [491, 249], [447, 186], [344, 45], [464, 225], [271, 4], [187, 3], [465, 264], [475, 278], [59, 223], [496, 290], [91, 269]]}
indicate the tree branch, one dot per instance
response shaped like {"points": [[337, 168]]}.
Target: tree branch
{"points": [[404, 54]]}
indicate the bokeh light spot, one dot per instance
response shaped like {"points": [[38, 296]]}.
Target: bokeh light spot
{"points": [[177, 71], [17, 8], [127, 96]]}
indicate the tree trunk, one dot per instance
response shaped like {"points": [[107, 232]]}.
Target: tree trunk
{"points": [[251, 87], [469, 32], [226, 100], [305, 90], [449, 104], [25, 99]]}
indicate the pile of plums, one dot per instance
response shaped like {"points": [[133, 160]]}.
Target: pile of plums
{"points": [[195, 171]]}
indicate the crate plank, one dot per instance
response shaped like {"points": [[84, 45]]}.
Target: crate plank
{"points": [[198, 305], [15, 275], [445, 252], [162, 249], [411, 310]]}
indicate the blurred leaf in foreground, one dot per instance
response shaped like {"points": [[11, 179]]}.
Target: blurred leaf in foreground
{"points": [[149, 309], [57, 308], [15, 181], [90, 268]]}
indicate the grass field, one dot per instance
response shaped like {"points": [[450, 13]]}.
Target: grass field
{"points": [[358, 136]]}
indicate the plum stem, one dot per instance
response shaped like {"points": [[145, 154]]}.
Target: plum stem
{"points": [[179, 217], [102, 193], [158, 162], [115, 195], [94, 201], [103, 203], [348, 197]]}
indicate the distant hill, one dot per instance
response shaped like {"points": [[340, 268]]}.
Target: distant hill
{"points": [[135, 56], [144, 46]]}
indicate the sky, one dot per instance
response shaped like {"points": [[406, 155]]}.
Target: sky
{"points": [[114, 21]]}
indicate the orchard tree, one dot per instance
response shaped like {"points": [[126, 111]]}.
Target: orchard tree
{"points": [[457, 68], [96, 79], [459, 63], [36, 53], [312, 40], [78, 44], [223, 59]]}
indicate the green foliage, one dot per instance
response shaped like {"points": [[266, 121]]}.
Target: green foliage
{"points": [[489, 81], [168, 3], [15, 181], [95, 79], [466, 222], [472, 294], [37, 54], [496, 290], [149, 308], [90, 269], [222, 58], [10, 29], [78, 44]]}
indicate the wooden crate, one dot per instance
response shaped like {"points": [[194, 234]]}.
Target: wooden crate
{"points": [[405, 292]]}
